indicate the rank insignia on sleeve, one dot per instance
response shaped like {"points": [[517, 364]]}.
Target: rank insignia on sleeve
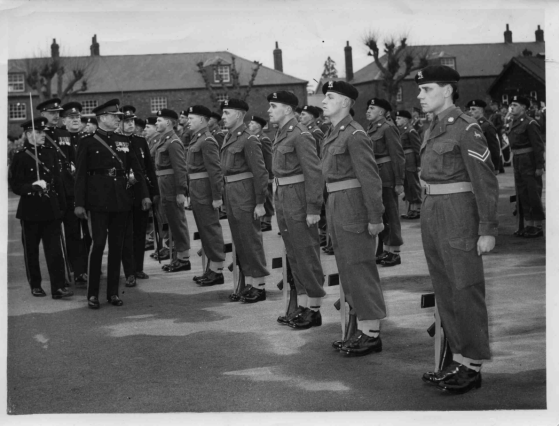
{"points": [[478, 156]]}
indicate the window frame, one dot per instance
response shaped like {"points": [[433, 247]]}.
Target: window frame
{"points": [[19, 74], [87, 109], [217, 73], [453, 59], [504, 99], [24, 108], [400, 95], [158, 101]]}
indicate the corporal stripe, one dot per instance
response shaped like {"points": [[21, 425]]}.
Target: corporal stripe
{"points": [[481, 157]]}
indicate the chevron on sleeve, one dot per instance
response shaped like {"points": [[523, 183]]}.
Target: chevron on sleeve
{"points": [[481, 157]]}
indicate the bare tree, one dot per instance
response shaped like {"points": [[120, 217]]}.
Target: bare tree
{"points": [[232, 88], [330, 70], [60, 76], [399, 60]]}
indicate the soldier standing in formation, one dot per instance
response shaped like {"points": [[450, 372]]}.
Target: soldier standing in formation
{"points": [[170, 166], [391, 163], [410, 144], [354, 210], [308, 118], [477, 109], [135, 239], [40, 208], [215, 130], [529, 163], [246, 182], [458, 224], [184, 133], [104, 198], [298, 200], [206, 193], [91, 124], [256, 127]]}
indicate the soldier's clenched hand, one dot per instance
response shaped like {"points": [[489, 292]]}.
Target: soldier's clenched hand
{"points": [[216, 204], [539, 172], [80, 212], [398, 189], [312, 219], [485, 244], [259, 211], [146, 204], [181, 199], [375, 229]]}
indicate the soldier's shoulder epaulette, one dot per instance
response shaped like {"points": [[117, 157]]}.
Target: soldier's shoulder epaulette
{"points": [[533, 121], [253, 136], [355, 128], [317, 129], [464, 117]]}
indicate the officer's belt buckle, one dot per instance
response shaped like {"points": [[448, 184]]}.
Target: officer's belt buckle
{"points": [[112, 172]]}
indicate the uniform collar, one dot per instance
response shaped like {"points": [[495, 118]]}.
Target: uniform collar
{"points": [[201, 132], [287, 127], [335, 130]]}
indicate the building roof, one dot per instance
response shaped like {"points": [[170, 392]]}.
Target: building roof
{"points": [[168, 71], [472, 60], [533, 65]]}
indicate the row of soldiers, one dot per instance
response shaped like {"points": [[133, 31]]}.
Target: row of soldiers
{"points": [[356, 173]]}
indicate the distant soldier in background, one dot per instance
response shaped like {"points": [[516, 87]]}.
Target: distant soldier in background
{"points": [[477, 111], [184, 133], [308, 118], [139, 126], [215, 130]]}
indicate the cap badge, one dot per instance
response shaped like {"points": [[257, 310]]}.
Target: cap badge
{"points": [[55, 104], [73, 109], [477, 135], [372, 101], [226, 102], [450, 119], [474, 103], [275, 96], [190, 109], [330, 84], [420, 75]]}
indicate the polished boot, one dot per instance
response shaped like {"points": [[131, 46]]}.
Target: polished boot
{"points": [[38, 292], [391, 259], [142, 275], [435, 377], [254, 295], [62, 293], [115, 301], [93, 303], [286, 319], [464, 380], [381, 257], [361, 344], [308, 319], [533, 232], [81, 279], [213, 278], [130, 281], [179, 265]]}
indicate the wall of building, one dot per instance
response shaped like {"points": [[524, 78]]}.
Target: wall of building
{"points": [[518, 82]]}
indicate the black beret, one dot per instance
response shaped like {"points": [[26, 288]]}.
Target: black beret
{"points": [[234, 104], [320, 110], [476, 103], [520, 100], [437, 74], [89, 120], [151, 120], [129, 112], [403, 113], [340, 87], [167, 113], [284, 97], [298, 110], [39, 123], [199, 110], [216, 115], [382, 103], [259, 120], [312, 110], [139, 122], [110, 107], [50, 105], [183, 112], [71, 108]]}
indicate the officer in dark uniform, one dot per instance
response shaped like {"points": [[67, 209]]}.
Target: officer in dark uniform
{"points": [[135, 239], [255, 127], [529, 163], [40, 207], [104, 196], [139, 126], [354, 209], [299, 201], [391, 162], [246, 182], [308, 118], [91, 124], [477, 110], [410, 144], [206, 192], [458, 224], [215, 130]]}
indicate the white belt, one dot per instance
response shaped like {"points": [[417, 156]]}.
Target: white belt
{"points": [[290, 180], [196, 176], [448, 188], [238, 177], [382, 160], [164, 172], [344, 184], [409, 151]]}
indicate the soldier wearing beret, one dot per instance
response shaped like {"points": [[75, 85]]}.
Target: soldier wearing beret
{"points": [[298, 200], [411, 143], [322, 122], [529, 163], [215, 130], [256, 127], [104, 196], [308, 118], [139, 126], [391, 162], [206, 192], [246, 183], [458, 224], [185, 133], [476, 108], [35, 177], [135, 239], [171, 171], [354, 212]]}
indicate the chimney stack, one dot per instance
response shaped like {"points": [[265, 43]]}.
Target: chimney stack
{"points": [[539, 35], [278, 61], [508, 35], [94, 46], [348, 62], [54, 49]]}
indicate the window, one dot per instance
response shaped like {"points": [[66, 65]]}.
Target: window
{"points": [[17, 111], [16, 82], [449, 62], [88, 106], [505, 99], [222, 72], [399, 95], [158, 103], [222, 97], [534, 95]]}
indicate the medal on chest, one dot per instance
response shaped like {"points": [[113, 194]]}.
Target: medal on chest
{"points": [[122, 146], [64, 140]]}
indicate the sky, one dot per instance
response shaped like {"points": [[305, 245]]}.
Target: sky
{"points": [[308, 32]]}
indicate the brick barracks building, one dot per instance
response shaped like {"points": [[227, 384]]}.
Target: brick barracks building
{"points": [[154, 81]]}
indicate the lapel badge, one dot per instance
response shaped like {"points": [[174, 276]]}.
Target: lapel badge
{"points": [[342, 128], [290, 127], [239, 134], [450, 119]]}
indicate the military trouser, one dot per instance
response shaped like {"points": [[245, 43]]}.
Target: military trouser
{"points": [[528, 186], [449, 229], [301, 242], [354, 249], [245, 230], [393, 235], [48, 231], [113, 226], [269, 203], [207, 219], [75, 242], [176, 218], [133, 251], [412, 187]]}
